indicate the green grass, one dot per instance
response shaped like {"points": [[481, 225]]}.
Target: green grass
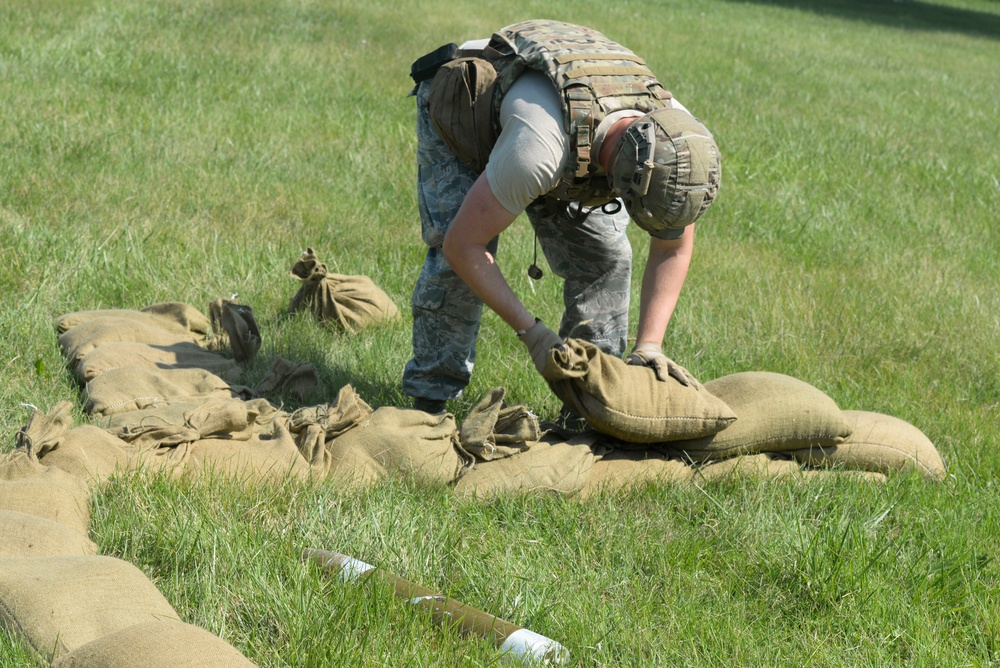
{"points": [[154, 151]]}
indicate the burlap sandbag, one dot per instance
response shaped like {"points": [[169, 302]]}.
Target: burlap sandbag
{"points": [[158, 644], [628, 402], [227, 418], [185, 355], [235, 330], [399, 442], [622, 470], [77, 342], [27, 486], [61, 603], [91, 453], [134, 388], [271, 457], [350, 302], [879, 443], [756, 467], [175, 317], [551, 465], [313, 426], [494, 430], [44, 431], [23, 535], [777, 413]]}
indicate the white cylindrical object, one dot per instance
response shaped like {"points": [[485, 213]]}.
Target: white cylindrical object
{"points": [[524, 643]]}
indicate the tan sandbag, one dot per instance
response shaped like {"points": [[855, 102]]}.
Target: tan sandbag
{"points": [[75, 343], [44, 431], [27, 486], [551, 465], [350, 302], [61, 603], [159, 644], [89, 452], [628, 402], [777, 413], [756, 467], [172, 316], [135, 388], [235, 329], [625, 470], [227, 418], [299, 379], [184, 355], [313, 426], [399, 442], [494, 430], [879, 443], [264, 457], [23, 535], [835, 475]]}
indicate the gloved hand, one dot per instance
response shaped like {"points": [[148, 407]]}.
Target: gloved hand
{"points": [[650, 355], [539, 340]]}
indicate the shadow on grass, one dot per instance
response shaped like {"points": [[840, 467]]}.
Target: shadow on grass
{"points": [[904, 14]]}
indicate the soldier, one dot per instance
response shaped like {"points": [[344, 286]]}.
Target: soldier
{"points": [[560, 122]]}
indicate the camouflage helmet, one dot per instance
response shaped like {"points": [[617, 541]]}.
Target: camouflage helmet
{"points": [[667, 169]]}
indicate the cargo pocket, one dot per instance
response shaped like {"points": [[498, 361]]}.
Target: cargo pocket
{"points": [[428, 296]]}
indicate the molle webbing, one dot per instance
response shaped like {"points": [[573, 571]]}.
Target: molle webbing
{"points": [[594, 77]]}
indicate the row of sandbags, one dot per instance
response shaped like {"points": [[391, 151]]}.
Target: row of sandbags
{"points": [[641, 420], [73, 607]]}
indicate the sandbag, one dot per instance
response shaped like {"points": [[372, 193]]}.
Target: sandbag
{"points": [[313, 426], [348, 302], [235, 329], [494, 430], [134, 388], [27, 486], [61, 603], [23, 535], [44, 431], [881, 444], [263, 457], [777, 413], [158, 644], [552, 465], [184, 355], [90, 334], [172, 316], [399, 442], [89, 452], [626, 470], [628, 402], [756, 467], [227, 418]]}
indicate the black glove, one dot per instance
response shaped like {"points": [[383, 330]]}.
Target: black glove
{"points": [[650, 355]]}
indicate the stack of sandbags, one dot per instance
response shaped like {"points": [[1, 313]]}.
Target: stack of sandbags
{"points": [[784, 422], [67, 603], [132, 359], [350, 303]]}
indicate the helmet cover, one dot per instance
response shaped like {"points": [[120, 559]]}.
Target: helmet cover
{"points": [[667, 169]]}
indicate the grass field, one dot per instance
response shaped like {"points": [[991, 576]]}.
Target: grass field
{"points": [[160, 150]]}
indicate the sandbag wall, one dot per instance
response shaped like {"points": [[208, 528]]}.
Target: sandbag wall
{"points": [[163, 396]]}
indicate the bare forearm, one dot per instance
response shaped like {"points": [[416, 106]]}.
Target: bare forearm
{"points": [[662, 280], [481, 218]]}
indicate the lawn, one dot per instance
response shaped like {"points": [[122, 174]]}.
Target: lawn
{"points": [[185, 151]]}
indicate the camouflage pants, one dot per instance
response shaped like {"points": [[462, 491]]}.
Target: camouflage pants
{"points": [[592, 255]]}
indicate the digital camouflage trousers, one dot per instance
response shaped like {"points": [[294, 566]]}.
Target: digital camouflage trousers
{"points": [[590, 253]]}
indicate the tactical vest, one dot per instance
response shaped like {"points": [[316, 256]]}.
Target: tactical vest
{"points": [[594, 77]]}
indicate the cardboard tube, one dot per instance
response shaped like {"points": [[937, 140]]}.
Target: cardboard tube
{"points": [[512, 640]]}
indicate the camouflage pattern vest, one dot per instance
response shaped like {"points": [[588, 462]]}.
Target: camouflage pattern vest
{"points": [[594, 77]]}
